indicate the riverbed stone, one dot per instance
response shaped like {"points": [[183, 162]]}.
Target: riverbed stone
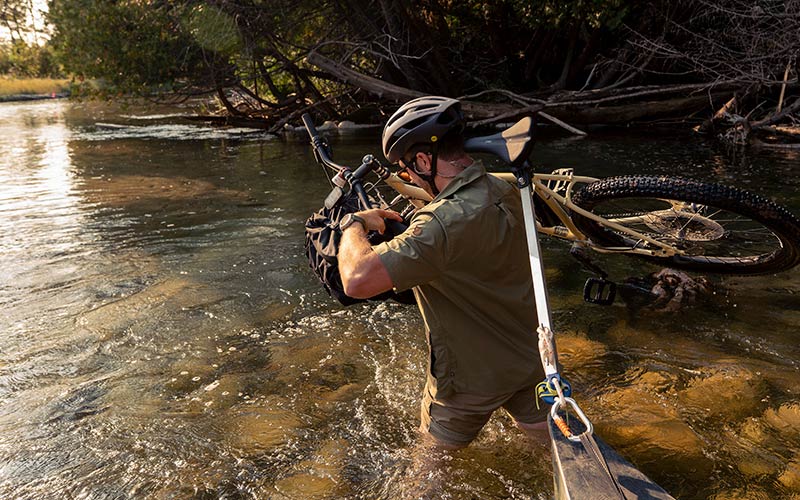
{"points": [[749, 493], [276, 311], [732, 393], [790, 477], [656, 380], [785, 419], [318, 477], [755, 431], [259, 429], [757, 464], [155, 193], [343, 393], [146, 306], [304, 487], [579, 354], [650, 429]]}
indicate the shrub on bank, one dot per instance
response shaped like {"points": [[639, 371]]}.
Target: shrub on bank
{"points": [[23, 60]]}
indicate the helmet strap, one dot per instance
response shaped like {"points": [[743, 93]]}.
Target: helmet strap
{"points": [[431, 178]]}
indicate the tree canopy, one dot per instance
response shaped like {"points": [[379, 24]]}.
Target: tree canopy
{"points": [[584, 59]]}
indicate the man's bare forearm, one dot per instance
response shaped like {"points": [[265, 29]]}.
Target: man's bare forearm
{"points": [[363, 274]]}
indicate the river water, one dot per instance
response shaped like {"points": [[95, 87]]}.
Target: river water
{"points": [[161, 335]]}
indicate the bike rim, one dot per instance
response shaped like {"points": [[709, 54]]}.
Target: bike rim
{"points": [[697, 230]]}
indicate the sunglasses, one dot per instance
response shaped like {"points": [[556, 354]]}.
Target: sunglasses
{"points": [[406, 165]]}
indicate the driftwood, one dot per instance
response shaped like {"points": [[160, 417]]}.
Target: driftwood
{"points": [[575, 107], [381, 89], [230, 120], [561, 123], [721, 113], [627, 113], [615, 106]]}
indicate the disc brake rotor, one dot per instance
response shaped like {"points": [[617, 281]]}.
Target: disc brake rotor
{"points": [[683, 225]]}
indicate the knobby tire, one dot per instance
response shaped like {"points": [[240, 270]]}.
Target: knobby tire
{"points": [[781, 223]]}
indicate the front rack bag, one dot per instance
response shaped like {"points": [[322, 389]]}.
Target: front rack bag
{"points": [[322, 246]]}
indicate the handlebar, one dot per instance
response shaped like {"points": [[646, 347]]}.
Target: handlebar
{"points": [[369, 164], [322, 154]]}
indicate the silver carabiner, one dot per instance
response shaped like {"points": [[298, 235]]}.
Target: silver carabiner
{"points": [[558, 403]]}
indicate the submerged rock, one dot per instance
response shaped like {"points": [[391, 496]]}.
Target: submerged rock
{"points": [[259, 429], [749, 493], [576, 350], [344, 393], [319, 477], [154, 192], [651, 431], [790, 477], [731, 393], [785, 419], [580, 356], [149, 306], [756, 464], [656, 381]]}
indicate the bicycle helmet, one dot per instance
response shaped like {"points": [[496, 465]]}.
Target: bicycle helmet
{"points": [[423, 120]]}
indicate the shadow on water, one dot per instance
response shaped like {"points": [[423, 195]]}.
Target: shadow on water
{"points": [[164, 338]]}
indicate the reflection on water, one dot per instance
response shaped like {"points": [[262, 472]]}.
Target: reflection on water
{"points": [[163, 337]]}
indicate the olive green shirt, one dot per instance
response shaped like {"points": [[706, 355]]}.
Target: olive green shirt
{"points": [[466, 256]]}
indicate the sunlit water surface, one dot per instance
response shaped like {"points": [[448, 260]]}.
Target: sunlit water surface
{"points": [[161, 335]]}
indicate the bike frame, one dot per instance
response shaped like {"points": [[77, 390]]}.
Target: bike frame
{"points": [[560, 205]]}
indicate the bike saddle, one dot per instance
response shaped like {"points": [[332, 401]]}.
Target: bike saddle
{"points": [[512, 145]]}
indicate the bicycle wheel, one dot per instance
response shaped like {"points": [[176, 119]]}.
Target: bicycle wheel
{"points": [[717, 229]]}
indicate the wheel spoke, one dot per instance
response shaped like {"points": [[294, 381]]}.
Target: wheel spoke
{"points": [[712, 227], [698, 229]]}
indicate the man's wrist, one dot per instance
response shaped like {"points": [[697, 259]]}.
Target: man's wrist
{"points": [[350, 219]]}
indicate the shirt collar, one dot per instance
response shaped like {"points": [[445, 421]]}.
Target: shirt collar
{"points": [[466, 176]]}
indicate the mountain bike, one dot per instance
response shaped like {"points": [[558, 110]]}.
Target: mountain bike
{"points": [[671, 221]]}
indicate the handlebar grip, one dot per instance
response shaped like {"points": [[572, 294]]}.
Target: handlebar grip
{"points": [[309, 124]]}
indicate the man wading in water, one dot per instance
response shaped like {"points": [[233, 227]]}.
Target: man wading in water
{"points": [[466, 257]]}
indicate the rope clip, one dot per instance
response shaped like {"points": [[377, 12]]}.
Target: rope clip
{"points": [[562, 425]]}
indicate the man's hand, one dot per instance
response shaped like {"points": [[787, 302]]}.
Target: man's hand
{"points": [[374, 218], [362, 272]]}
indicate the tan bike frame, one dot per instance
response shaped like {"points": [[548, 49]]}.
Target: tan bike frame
{"points": [[561, 205]]}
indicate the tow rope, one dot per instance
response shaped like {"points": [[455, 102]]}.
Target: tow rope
{"points": [[554, 389]]}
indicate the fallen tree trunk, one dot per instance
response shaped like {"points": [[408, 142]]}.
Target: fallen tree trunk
{"points": [[566, 108], [629, 113], [384, 90]]}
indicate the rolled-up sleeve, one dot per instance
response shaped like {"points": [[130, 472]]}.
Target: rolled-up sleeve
{"points": [[417, 255]]}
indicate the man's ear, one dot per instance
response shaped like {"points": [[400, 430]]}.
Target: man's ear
{"points": [[423, 162]]}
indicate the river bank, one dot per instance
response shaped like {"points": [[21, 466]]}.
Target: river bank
{"points": [[31, 89]]}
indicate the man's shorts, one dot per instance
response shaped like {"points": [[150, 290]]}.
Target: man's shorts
{"points": [[457, 419]]}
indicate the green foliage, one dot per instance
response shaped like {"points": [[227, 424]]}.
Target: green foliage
{"points": [[450, 47], [132, 45], [19, 59], [213, 29]]}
